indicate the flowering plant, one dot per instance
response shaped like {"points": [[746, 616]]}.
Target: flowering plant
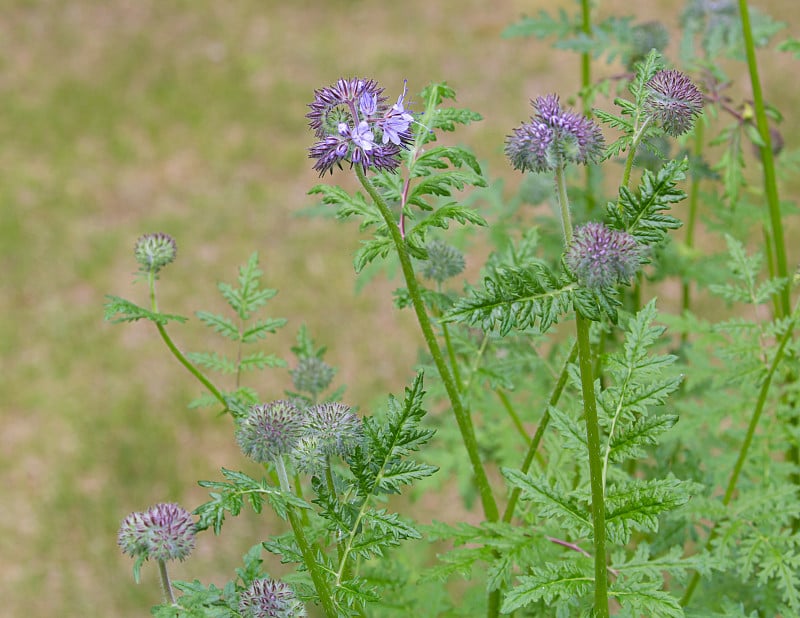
{"points": [[558, 408]]}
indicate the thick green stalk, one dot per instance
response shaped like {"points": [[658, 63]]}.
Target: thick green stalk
{"points": [[463, 418], [177, 353], [166, 585], [586, 82], [309, 559], [592, 428], [595, 468], [743, 451], [767, 159]]}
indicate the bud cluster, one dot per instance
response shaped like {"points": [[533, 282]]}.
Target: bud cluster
{"points": [[673, 102]]}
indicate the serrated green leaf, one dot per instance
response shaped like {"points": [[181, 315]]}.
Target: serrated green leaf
{"points": [[119, 310], [220, 324]]}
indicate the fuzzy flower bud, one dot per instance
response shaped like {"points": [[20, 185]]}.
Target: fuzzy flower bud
{"points": [[268, 598], [312, 375], [335, 426], [444, 261], [600, 257], [553, 137], [644, 37], [154, 251], [673, 102], [164, 532], [269, 431], [354, 124]]}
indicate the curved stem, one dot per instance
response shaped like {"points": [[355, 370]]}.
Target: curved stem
{"points": [[463, 418], [743, 451], [537, 437], [177, 353], [166, 585], [309, 559]]}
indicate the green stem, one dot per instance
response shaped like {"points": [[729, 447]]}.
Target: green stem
{"points": [[177, 353], [586, 82], [309, 559], [512, 413], [166, 585], [743, 451], [595, 468], [767, 158], [691, 220], [592, 427], [463, 418], [537, 437]]}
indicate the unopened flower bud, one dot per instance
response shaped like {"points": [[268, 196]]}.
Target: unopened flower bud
{"points": [[268, 598], [444, 261], [166, 531], [600, 257], [154, 251], [312, 375], [673, 102], [269, 431]]}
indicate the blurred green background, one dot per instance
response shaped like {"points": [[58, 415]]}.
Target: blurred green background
{"points": [[119, 117]]}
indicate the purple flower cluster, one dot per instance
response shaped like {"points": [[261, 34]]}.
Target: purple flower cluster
{"points": [[354, 124], [268, 598], [600, 257], [673, 101], [553, 137], [163, 532]]}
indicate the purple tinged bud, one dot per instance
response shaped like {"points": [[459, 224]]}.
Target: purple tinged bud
{"points": [[164, 532], [154, 251], [368, 103], [270, 431], [600, 257], [268, 598], [673, 102], [553, 137], [338, 430]]}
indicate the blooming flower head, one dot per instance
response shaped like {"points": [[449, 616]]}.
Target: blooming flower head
{"points": [[600, 257], [269, 431], [673, 102], [268, 598], [354, 124], [154, 251], [553, 137], [164, 532]]}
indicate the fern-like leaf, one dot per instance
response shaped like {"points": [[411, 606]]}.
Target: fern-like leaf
{"points": [[118, 310]]}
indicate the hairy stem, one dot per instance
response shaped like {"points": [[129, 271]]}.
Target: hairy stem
{"points": [[166, 584], [592, 427], [463, 418], [177, 353], [309, 559]]}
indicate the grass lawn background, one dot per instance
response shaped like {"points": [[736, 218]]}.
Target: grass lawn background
{"points": [[123, 117]]}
